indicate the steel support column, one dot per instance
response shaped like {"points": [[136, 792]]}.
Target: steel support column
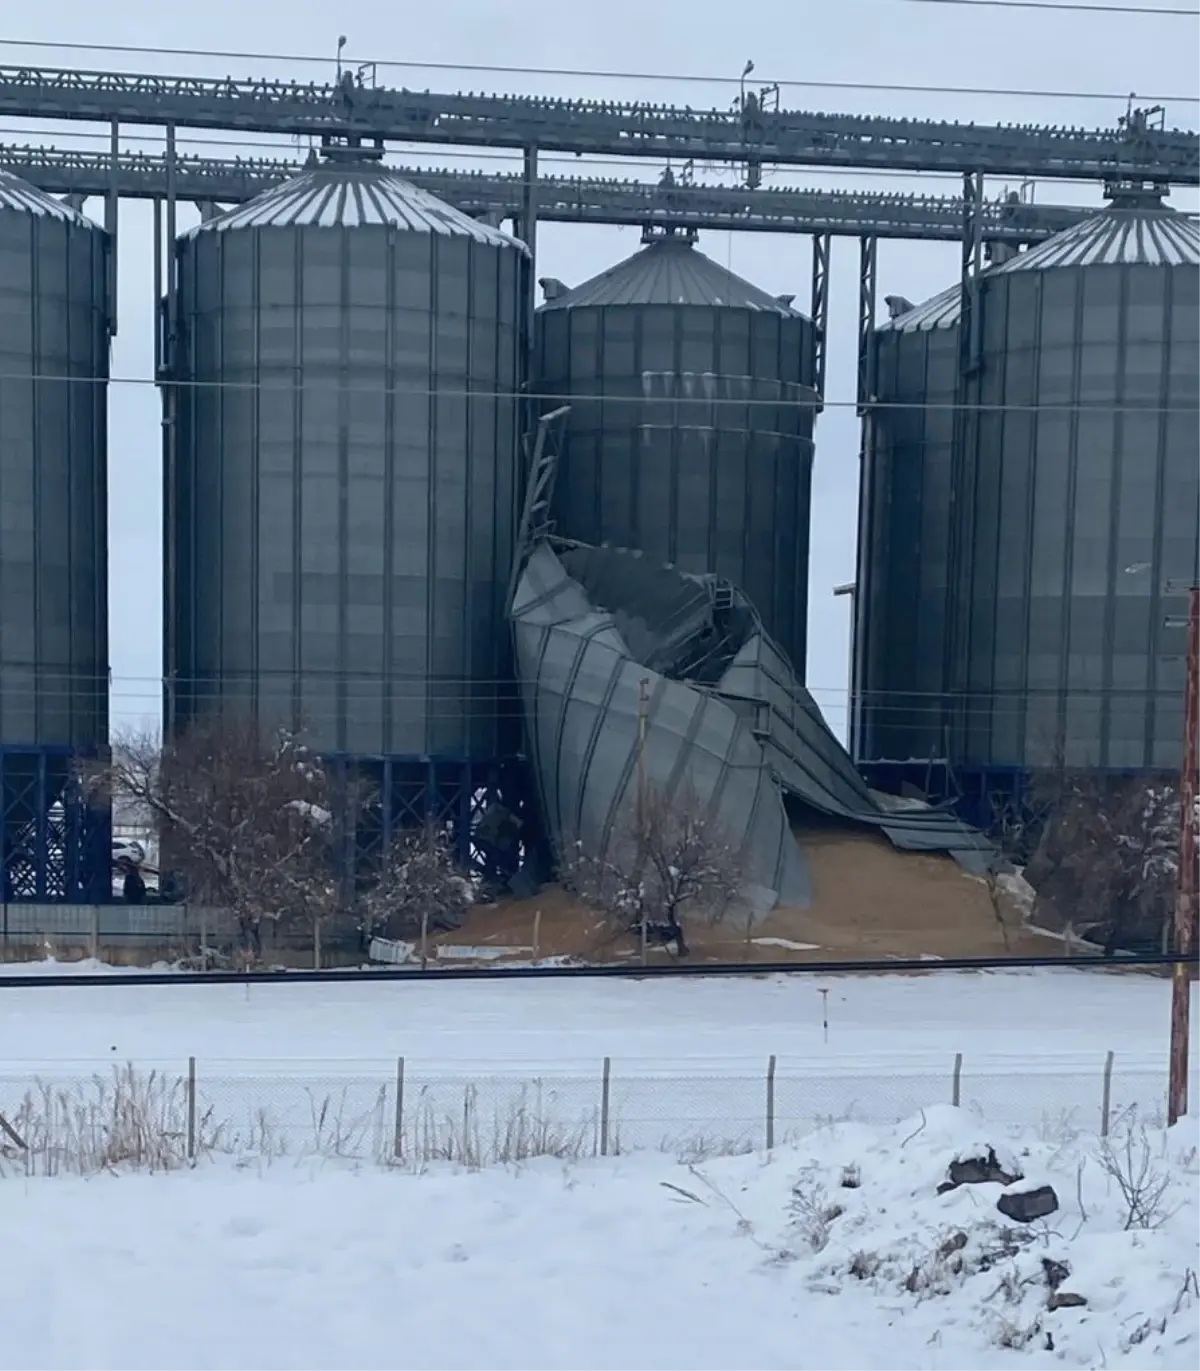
{"points": [[821, 245], [529, 221], [868, 253], [962, 464], [170, 426], [111, 200], [1186, 890]]}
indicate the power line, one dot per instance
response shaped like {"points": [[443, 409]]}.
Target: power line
{"points": [[1059, 5], [600, 74], [641, 401]]}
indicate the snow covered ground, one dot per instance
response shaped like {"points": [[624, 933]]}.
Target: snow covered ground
{"points": [[835, 1252], [1026, 1016], [688, 1058]]}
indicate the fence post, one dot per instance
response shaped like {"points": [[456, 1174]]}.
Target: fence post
{"points": [[316, 944], [770, 1102], [204, 937], [605, 1086], [424, 939], [956, 1088], [94, 933], [398, 1133], [1106, 1096], [537, 936], [191, 1109]]}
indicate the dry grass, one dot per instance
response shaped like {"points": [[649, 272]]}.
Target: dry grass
{"points": [[143, 1121], [132, 1119]]}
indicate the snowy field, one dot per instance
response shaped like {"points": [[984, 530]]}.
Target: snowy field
{"points": [[688, 1058], [836, 1252], [1028, 1016]]}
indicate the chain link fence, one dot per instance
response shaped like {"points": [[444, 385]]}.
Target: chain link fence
{"points": [[417, 1113]]}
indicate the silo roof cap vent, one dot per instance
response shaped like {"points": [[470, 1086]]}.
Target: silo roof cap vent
{"points": [[898, 305], [785, 300], [552, 287]]}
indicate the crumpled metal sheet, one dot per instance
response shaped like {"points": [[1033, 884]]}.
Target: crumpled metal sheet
{"points": [[725, 713]]}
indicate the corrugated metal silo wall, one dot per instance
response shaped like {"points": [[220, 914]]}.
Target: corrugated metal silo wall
{"points": [[690, 438], [53, 519], [1075, 516], [347, 484], [904, 548]]}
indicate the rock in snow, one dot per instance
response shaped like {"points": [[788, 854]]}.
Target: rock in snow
{"points": [[1023, 1206]]}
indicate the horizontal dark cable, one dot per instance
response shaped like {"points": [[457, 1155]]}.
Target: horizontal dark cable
{"points": [[600, 74], [640, 401], [1060, 5]]}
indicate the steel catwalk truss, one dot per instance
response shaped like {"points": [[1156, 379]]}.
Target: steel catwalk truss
{"points": [[751, 134], [560, 199]]}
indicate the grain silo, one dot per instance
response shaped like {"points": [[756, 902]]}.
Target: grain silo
{"points": [[690, 431], [342, 513], [54, 345], [1036, 536], [905, 533]]}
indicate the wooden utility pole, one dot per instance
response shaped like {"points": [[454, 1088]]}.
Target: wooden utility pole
{"points": [[642, 716], [1186, 905]]}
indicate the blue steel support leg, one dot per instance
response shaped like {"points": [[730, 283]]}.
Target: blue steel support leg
{"points": [[41, 849]]}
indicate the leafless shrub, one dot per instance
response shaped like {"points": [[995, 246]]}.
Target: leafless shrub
{"points": [[1143, 1184], [814, 1213], [864, 1265], [419, 887], [1108, 845], [245, 821], [1012, 1334], [666, 865]]}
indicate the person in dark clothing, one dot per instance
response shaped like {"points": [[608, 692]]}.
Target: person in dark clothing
{"points": [[134, 886]]}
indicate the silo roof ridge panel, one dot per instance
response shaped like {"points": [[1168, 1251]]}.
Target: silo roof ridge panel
{"points": [[942, 311], [1116, 237], [325, 198], [17, 194], [670, 273]]}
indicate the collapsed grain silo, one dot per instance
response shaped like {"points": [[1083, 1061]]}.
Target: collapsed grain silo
{"points": [[342, 496], [690, 434], [54, 357], [1021, 557]]}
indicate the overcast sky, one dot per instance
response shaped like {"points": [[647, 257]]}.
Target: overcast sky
{"points": [[893, 42]]}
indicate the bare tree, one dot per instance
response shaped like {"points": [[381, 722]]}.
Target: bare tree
{"points": [[245, 821], [419, 886], [1108, 854], [667, 865]]}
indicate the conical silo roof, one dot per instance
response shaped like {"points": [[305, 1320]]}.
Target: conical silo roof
{"points": [[350, 195], [1150, 237], [1119, 236], [19, 195], [671, 270], [942, 311]]}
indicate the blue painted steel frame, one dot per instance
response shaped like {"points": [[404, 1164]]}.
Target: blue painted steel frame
{"points": [[54, 847], [409, 792]]}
